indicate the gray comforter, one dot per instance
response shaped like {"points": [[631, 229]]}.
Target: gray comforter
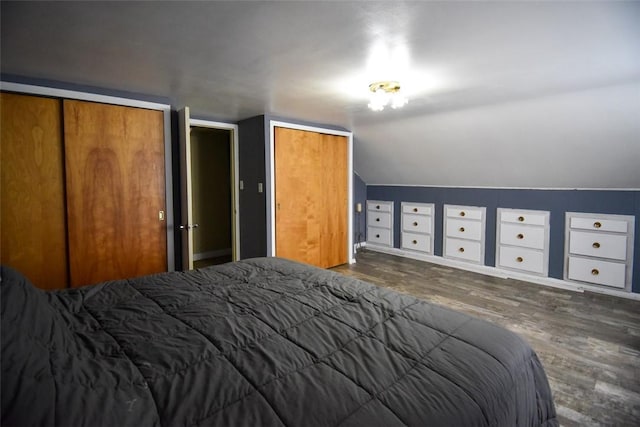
{"points": [[258, 342]]}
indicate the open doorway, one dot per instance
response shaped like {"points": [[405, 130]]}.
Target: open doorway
{"points": [[211, 177], [216, 177]]}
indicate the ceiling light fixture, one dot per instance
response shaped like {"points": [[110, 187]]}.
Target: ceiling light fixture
{"points": [[386, 92]]}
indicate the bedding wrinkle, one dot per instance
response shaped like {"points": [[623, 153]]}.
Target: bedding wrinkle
{"points": [[137, 367], [231, 362]]}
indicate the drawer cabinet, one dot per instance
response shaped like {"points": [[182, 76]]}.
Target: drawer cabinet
{"points": [[380, 222], [599, 249], [522, 241], [417, 227], [464, 233]]}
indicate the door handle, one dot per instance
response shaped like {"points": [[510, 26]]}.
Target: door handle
{"points": [[188, 226]]}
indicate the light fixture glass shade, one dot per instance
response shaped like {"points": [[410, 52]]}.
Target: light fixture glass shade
{"points": [[378, 100], [384, 93], [397, 100]]}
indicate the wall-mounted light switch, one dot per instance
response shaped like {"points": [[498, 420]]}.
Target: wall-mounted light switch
{"points": [[259, 187]]}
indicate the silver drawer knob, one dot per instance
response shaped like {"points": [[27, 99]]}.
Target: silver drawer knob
{"points": [[597, 224], [595, 272]]}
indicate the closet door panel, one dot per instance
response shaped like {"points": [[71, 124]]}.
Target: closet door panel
{"points": [[311, 191], [334, 191], [297, 177], [32, 210], [115, 191]]}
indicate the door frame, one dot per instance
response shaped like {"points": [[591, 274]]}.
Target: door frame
{"points": [[270, 178], [235, 180], [127, 102]]}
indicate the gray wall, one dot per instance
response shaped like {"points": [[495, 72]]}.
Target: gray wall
{"points": [[556, 201], [359, 220], [253, 215]]}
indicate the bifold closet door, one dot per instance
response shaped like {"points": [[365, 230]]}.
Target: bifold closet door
{"points": [[32, 222], [311, 191], [115, 184]]}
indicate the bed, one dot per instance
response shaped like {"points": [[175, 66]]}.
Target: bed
{"points": [[260, 342]]}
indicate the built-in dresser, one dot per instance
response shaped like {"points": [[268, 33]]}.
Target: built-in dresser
{"points": [[599, 249], [464, 233], [417, 223], [522, 241], [380, 222]]}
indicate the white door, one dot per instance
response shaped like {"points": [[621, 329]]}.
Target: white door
{"points": [[187, 226]]}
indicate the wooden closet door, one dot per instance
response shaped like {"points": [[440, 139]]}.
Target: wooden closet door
{"points": [[311, 190], [32, 210], [115, 191], [335, 194]]}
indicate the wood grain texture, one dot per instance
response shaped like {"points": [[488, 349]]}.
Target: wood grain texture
{"points": [[311, 190], [588, 343], [32, 210], [334, 191], [115, 188]]}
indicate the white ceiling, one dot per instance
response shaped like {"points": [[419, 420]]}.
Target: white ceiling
{"points": [[507, 94]]}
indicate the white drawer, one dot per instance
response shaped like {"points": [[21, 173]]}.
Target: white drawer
{"points": [[416, 242], [597, 271], [599, 224], [380, 236], [464, 212], [603, 245], [463, 249], [379, 219], [375, 205], [523, 217], [464, 229], [416, 209], [518, 235], [522, 259], [416, 223]]}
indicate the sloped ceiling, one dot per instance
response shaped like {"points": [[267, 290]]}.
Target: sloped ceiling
{"points": [[507, 94]]}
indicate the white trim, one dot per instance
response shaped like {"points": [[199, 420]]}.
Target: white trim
{"points": [[82, 96], [503, 274], [212, 254], [270, 196], [480, 187], [106, 99], [236, 177]]}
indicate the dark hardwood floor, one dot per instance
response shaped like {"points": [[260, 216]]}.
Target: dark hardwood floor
{"points": [[589, 343]]}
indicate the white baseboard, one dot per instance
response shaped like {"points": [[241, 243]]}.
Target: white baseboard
{"points": [[211, 254], [504, 274]]}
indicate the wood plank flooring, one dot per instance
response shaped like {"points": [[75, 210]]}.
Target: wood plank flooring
{"points": [[588, 343]]}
